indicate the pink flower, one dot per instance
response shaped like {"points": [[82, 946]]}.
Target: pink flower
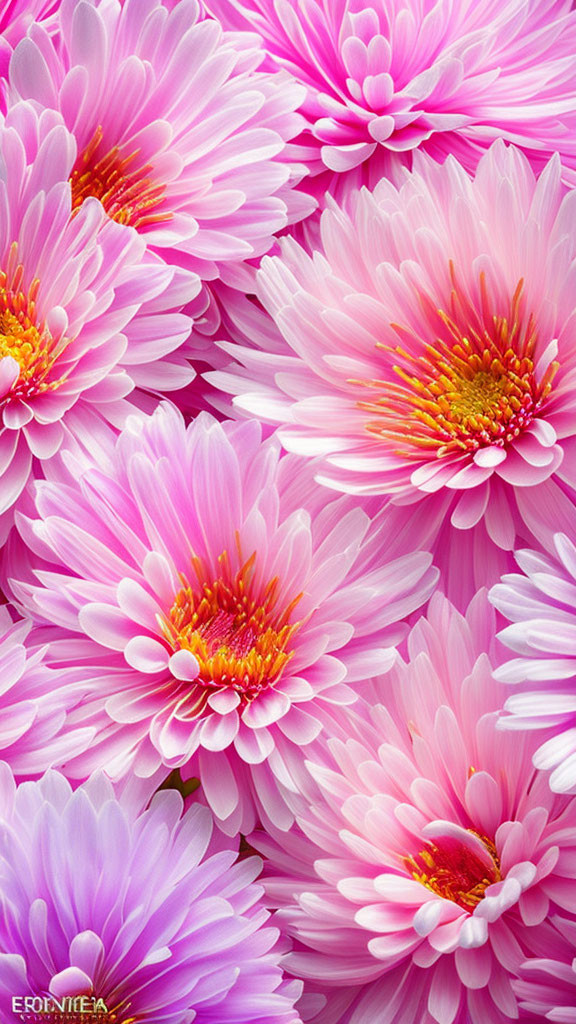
{"points": [[429, 852], [541, 606], [31, 717], [398, 75], [178, 133], [214, 601], [86, 314], [430, 349]]}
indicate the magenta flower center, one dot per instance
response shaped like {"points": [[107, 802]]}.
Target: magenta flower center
{"points": [[455, 872], [238, 631], [474, 386], [25, 340], [121, 183]]}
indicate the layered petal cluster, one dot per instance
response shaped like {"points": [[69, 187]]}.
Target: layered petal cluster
{"points": [[541, 604], [400, 75], [178, 134], [430, 853], [16, 16], [288, 662], [431, 345], [31, 717], [239, 320], [84, 309], [216, 600], [547, 989], [146, 912]]}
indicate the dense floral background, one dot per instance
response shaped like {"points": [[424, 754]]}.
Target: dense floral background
{"points": [[287, 511]]}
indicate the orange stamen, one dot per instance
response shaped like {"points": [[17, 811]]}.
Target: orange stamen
{"points": [[474, 387], [23, 337], [234, 628], [456, 874], [126, 190]]}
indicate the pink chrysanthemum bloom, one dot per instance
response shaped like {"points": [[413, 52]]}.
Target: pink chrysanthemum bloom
{"points": [[430, 348], [178, 133], [31, 715], [431, 852], [85, 312], [397, 75], [217, 600], [148, 912], [541, 605]]}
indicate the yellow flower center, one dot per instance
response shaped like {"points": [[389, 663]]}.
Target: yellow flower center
{"points": [[474, 387], [124, 186], [24, 339], [235, 629]]}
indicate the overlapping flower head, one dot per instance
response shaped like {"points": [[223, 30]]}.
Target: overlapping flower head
{"points": [[400, 75], [541, 604], [430, 852], [178, 134], [147, 912], [31, 717], [430, 346], [547, 989], [84, 309], [220, 600]]}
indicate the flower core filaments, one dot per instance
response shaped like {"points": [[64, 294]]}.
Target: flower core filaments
{"points": [[23, 339], [455, 872], [476, 386], [127, 192], [233, 627]]}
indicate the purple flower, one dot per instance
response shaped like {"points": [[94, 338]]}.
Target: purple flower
{"points": [[150, 912]]}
